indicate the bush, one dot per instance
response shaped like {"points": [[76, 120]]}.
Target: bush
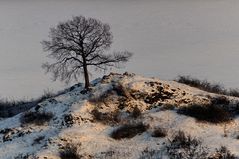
{"points": [[233, 92], [9, 108], [11, 103], [206, 113], [151, 154], [129, 131], [110, 118], [37, 118], [121, 90], [38, 140], [167, 107], [25, 156], [183, 146], [159, 132], [207, 86], [202, 84], [46, 95], [70, 152], [222, 153], [220, 100], [136, 112]]}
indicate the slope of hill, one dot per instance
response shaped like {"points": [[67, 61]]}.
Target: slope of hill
{"points": [[123, 116]]}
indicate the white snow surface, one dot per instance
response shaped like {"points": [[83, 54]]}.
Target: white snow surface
{"points": [[94, 136]]}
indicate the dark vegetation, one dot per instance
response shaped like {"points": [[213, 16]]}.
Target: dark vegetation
{"points": [[148, 153], [109, 118], [12, 107], [220, 100], [25, 156], [136, 112], [38, 140], [207, 86], [222, 153], [73, 151], [37, 118], [11, 102], [183, 146], [69, 151], [159, 132], [121, 90], [167, 107], [220, 110], [129, 131], [207, 113]]}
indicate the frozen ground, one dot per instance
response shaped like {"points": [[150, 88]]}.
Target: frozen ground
{"points": [[168, 37], [73, 121]]}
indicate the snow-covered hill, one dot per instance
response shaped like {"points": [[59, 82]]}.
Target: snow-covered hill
{"points": [[87, 122]]}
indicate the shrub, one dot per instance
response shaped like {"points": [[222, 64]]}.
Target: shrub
{"points": [[159, 132], [237, 137], [233, 92], [121, 90], [129, 131], [186, 147], [25, 156], [151, 154], [222, 153], [69, 152], [206, 113], [207, 86], [72, 151], [38, 140], [167, 107], [101, 98], [46, 94], [9, 108], [37, 118], [234, 108], [136, 112], [11, 103], [202, 84], [110, 118], [220, 100]]}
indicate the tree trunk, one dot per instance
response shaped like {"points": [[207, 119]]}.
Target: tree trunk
{"points": [[86, 75]]}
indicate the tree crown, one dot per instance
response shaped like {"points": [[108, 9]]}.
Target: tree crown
{"points": [[77, 44]]}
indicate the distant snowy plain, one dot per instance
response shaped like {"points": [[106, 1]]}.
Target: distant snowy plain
{"points": [[168, 38]]}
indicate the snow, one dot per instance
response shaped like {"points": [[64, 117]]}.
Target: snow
{"points": [[94, 136]]}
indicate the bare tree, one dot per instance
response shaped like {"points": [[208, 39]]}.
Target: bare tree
{"points": [[77, 44]]}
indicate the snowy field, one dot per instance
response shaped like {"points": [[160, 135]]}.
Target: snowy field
{"points": [[168, 37], [73, 121]]}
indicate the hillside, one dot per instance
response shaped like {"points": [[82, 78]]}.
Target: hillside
{"points": [[123, 116]]}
